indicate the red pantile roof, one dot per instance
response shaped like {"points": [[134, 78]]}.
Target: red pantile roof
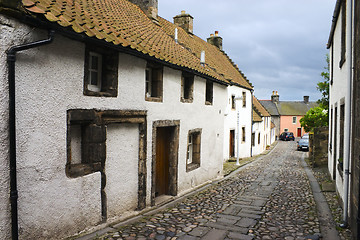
{"points": [[259, 108], [122, 23]]}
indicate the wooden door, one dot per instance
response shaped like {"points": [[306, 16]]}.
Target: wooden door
{"points": [[232, 143], [163, 140], [299, 132]]}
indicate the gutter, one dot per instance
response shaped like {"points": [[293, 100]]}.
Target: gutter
{"points": [[11, 59], [348, 97]]}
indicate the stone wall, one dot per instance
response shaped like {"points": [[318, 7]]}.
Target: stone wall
{"points": [[318, 153]]}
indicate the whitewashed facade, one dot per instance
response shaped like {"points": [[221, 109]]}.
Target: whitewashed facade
{"points": [[262, 135], [49, 82], [236, 105]]}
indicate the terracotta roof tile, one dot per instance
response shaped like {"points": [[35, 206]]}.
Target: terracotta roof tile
{"points": [[259, 108], [256, 117], [122, 23]]}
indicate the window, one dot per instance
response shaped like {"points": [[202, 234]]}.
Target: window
{"points": [[209, 92], [286, 129], [100, 72], [86, 143], [253, 139], [343, 33], [153, 82], [259, 138], [233, 104], [187, 87], [294, 120], [193, 149], [243, 134], [244, 98]]}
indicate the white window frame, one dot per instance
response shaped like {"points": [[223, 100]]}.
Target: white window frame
{"points": [[189, 157], [97, 87], [294, 118], [148, 81]]}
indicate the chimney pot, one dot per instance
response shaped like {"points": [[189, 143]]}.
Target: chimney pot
{"points": [[306, 99], [184, 21], [150, 7], [215, 40]]}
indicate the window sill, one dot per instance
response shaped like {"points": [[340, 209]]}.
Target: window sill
{"points": [[208, 103], [192, 166], [184, 100], [153, 99], [80, 169], [110, 93]]}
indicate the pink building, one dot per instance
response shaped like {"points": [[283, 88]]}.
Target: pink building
{"points": [[286, 115]]}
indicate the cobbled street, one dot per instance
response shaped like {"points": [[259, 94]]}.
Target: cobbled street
{"points": [[270, 198]]}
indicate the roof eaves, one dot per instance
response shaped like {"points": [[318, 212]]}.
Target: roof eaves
{"points": [[334, 20]]}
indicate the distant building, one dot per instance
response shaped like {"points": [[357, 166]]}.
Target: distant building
{"points": [[286, 115], [261, 129]]}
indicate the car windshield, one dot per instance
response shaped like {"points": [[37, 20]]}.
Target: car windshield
{"points": [[304, 140]]}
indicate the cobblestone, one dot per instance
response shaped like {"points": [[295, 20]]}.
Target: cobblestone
{"points": [[270, 198]]}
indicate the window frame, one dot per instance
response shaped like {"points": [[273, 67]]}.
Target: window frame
{"points": [[233, 102], [243, 136], [154, 82], [209, 92], [187, 87], [193, 149], [244, 99], [294, 118], [107, 72]]}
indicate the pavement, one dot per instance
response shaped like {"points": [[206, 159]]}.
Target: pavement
{"points": [[274, 197]]}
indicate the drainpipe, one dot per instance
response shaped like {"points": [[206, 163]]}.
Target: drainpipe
{"points": [[347, 137], [11, 59], [251, 146]]}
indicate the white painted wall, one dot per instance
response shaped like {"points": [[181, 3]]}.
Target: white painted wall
{"points": [[49, 81], [231, 122], [265, 137], [337, 96]]}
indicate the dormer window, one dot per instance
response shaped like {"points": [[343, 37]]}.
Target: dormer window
{"points": [[101, 72]]}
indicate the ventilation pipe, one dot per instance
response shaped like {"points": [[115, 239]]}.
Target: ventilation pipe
{"points": [[202, 58], [176, 35], [347, 137], [11, 59]]}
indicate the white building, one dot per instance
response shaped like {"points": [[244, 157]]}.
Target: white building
{"points": [[238, 123], [343, 153], [261, 129], [109, 119]]}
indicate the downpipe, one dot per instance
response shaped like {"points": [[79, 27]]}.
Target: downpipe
{"points": [[347, 140], [11, 59]]}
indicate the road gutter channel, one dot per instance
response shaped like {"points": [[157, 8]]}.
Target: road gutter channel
{"points": [[327, 224], [171, 202]]}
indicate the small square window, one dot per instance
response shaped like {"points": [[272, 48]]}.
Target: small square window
{"points": [[193, 150], [286, 129], [187, 87], [209, 93], [100, 72], [153, 82]]}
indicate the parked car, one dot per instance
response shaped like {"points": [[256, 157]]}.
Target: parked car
{"points": [[287, 136], [303, 144], [306, 135]]}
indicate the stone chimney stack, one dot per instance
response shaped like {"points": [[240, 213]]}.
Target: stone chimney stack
{"points": [[215, 40], [275, 97], [150, 7], [184, 21], [306, 99]]}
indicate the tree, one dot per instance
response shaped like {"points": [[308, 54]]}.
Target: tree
{"points": [[323, 86], [318, 116], [315, 117]]}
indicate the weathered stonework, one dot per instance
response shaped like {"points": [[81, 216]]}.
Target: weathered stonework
{"points": [[184, 21], [320, 146]]}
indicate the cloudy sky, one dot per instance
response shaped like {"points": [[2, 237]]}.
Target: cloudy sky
{"points": [[278, 44]]}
